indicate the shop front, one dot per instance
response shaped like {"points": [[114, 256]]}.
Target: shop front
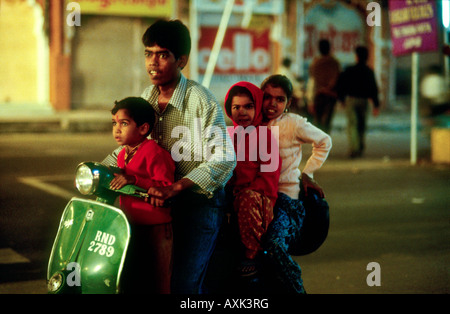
{"points": [[106, 50]]}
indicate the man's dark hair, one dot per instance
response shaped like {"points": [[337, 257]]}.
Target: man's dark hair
{"points": [[362, 53], [324, 47], [172, 35], [281, 81], [138, 109]]}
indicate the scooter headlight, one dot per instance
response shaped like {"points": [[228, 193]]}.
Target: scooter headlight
{"points": [[86, 180]]}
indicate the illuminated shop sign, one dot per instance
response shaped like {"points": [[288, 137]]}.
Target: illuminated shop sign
{"points": [[150, 8]]}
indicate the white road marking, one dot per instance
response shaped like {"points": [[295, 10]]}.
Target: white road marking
{"points": [[41, 183], [9, 256], [363, 164]]}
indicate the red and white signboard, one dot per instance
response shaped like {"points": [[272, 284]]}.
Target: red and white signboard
{"points": [[413, 26], [239, 6], [342, 25], [244, 51]]}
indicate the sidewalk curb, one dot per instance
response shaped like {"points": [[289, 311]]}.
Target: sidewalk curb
{"points": [[24, 287], [100, 121], [73, 121]]}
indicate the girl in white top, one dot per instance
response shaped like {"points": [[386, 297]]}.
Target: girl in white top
{"points": [[294, 131], [289, 212]]}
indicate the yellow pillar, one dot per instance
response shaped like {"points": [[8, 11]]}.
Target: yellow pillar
{"points": [[60, 61]]}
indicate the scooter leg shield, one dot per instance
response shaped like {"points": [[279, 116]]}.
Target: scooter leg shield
{"points": [[89, 249]]}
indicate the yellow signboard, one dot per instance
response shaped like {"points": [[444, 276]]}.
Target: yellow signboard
{"points": [[151, 8]]}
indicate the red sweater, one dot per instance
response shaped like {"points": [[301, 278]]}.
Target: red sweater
{"points": [[151, 166]]}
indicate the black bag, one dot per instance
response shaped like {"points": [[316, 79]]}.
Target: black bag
{"points": [[315, 226]]}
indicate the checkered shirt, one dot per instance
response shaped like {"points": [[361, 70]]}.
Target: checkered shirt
{"points": [[183, 125]]}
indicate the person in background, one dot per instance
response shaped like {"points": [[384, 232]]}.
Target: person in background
{"points": [[324, 71], [297, 95], [355, 87]]}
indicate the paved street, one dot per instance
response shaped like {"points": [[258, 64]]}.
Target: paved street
{"points": [[382, 210], [394, 215]]}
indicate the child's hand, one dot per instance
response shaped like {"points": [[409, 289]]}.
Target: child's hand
{"points": [[307, 182], [120, 180]]}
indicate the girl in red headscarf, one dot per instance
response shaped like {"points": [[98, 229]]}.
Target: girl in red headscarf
{"points": [[255, 178]]}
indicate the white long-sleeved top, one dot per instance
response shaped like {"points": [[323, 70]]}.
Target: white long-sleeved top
{"points": [[294, 131]]}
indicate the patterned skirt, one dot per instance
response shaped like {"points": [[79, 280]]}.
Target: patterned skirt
{"points": [[284, 230], [254, 213]]}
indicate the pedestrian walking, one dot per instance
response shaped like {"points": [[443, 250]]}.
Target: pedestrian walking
{"points": [[324, 73], [356, 85]]}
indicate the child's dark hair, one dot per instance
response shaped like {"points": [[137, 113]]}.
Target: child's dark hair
{"points": [[281, 81], [138, 109], [236, 90], [172, 35]]}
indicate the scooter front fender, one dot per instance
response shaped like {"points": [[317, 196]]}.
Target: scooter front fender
{"points": [[89, 249]]}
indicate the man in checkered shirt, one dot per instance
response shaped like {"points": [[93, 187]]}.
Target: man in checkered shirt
{"points": [[189, 124]]}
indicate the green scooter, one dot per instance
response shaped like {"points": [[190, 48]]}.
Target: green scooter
{"points": [[93, 236]]}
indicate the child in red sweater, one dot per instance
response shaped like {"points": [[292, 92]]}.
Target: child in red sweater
{"points": [[255, 178], [145, 164]]}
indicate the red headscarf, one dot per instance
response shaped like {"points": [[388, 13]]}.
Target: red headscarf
{"points": [[257, 95]]}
